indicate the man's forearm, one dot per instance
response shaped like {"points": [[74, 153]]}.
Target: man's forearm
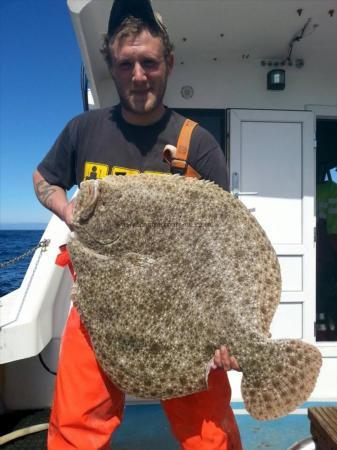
{"points": [[52, 197]]}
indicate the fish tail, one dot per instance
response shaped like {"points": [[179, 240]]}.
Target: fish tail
{"points": [[284, 380]]}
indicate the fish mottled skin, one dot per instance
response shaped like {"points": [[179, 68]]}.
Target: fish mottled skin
{"points": [[169, 269]]}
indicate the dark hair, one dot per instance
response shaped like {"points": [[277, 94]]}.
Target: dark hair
{"points": [[133, 26]]}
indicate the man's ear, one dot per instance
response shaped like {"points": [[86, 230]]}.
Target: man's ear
{"points": [[112, 70], [170, 62]]}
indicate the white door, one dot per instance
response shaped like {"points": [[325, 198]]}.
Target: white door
{"points": [[272, 169]]}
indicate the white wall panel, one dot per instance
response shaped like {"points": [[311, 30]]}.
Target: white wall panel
{"points": [[287, 322], [277, 152], [291, 273]]}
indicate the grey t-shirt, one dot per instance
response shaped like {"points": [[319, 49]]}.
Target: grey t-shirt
{"points": [[100, 142]]}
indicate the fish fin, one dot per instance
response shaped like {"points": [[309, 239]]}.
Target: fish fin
{"points": [[285, 383]]}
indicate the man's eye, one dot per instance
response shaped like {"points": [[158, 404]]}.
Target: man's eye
{"points": [[149, 64], [125, 65]]}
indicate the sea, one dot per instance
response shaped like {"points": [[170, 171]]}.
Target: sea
{"points": [[14, 243]]}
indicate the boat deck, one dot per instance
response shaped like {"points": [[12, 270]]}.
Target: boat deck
{"points": [[146, 428]]}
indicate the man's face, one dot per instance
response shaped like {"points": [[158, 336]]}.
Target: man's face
{"points": [[140, 74]]}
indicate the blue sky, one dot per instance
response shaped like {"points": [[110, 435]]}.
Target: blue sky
{"points": [[39, 93]]}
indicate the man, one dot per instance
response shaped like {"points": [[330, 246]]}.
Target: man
{"points": [[128, 139]]}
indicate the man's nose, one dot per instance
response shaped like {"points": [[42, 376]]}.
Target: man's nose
{"points": [[139, 74]]}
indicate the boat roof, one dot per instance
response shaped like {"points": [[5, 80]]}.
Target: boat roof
{"points": [[226, 31]]}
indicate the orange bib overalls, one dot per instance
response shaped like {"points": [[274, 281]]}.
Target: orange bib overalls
{"points": [[88, 407]]}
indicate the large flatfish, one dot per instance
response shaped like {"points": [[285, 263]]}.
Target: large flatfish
{"points": [[168, 269]]}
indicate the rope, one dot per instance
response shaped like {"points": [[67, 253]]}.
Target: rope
{"points": [[45, 365], [43, 244], [23, 432]]}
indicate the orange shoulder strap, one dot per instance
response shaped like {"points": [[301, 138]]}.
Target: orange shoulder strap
{"points": [[184, 139], [178, 158]]}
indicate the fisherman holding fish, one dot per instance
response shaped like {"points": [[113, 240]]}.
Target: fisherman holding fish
{"points": [[129, 139]]}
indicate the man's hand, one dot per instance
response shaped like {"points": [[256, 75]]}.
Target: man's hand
{"points": [[67, 214], [223, 360]]}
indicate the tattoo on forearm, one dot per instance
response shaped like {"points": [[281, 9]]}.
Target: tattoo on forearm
{"points": [[43, 191]]}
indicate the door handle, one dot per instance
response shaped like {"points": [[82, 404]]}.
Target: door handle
{"points": [[235, 186]]}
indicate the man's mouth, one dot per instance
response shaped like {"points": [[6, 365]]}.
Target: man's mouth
{"points": [[140, 93]]}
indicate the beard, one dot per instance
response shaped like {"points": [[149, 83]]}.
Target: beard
{"points": [[142, 105], [151, 103]]}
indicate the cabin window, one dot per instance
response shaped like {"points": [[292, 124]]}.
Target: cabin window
{"points": [[326, 249]]}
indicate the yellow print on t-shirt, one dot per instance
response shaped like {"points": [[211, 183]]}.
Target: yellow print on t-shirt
{"points": [[124, 171], [94, 171]]}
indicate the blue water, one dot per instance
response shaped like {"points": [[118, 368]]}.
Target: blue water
{"points": [[14, 243]]}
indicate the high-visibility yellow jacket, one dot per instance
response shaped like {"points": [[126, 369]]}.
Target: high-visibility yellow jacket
{"points": [[327, 205]]}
